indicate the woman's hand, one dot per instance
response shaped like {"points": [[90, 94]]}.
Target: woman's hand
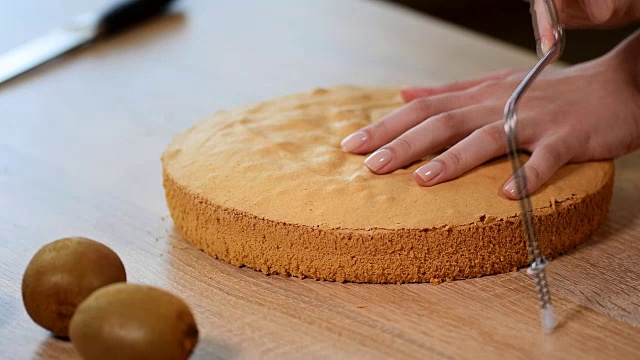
{"points": [[584, 13], [585, 112], [604, 13]]}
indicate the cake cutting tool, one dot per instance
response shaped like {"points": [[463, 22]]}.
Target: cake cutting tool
{"points": [[83, 30], [549, 52]]}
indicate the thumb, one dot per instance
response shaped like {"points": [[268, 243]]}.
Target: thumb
{"points": [[542, 25]]}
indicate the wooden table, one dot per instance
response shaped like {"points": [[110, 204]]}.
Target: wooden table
{"points": [[80, 141]]}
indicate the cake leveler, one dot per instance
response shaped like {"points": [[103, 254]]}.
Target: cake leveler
{"points": [[549, 53], [82, 31]]}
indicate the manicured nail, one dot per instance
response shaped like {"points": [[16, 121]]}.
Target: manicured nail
{"points": [[545, 45], [512, 188], [378, 159], [353, 141], [429, 171]]}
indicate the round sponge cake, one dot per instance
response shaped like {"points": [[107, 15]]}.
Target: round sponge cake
{"points": [[267, 186]]}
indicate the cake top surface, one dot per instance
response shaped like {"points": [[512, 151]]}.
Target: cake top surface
{"points": [[281, 160]]}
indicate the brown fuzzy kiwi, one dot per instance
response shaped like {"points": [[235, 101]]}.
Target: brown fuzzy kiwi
{"points": [[62, 274], [126, 321]]}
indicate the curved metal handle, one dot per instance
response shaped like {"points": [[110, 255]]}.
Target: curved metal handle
{"points": [[536, 259]]}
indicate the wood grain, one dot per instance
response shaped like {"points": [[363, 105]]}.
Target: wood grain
{"points": [[80, 142]]}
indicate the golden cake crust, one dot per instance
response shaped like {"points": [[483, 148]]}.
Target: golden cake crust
{"points": [[267, 186]]}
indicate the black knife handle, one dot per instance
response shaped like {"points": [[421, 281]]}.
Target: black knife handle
{"points": [[129, 13]]}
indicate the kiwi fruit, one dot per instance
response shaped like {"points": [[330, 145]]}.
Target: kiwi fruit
{"points": [[62, 274], [127, 321]]}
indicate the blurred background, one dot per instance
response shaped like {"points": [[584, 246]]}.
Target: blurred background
{"points": [[509, 20]]}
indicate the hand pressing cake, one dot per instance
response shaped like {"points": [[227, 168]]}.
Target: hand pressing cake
{"points": [[267, 186]]}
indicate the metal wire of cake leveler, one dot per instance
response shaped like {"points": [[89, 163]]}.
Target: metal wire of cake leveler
{"points": [[536, 259]]}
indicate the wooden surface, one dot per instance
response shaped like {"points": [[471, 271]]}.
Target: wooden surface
{"points": [[80, 141]]}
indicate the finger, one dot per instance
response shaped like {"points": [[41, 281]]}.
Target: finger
{"points": [[542, 26], [482, 145], [545, 161], [429, 137], [395, 124], [409, 94], [576, 13]]}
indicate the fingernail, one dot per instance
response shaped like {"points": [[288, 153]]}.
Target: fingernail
{"points": [[512, 188], [353, 141], [429, 171], [378, 159], [545, 45]]}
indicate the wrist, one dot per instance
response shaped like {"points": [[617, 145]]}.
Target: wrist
{"points": [[626, 57], [624, 63]]}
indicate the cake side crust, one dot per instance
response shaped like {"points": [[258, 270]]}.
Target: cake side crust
{"points": [[453, 252]]}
